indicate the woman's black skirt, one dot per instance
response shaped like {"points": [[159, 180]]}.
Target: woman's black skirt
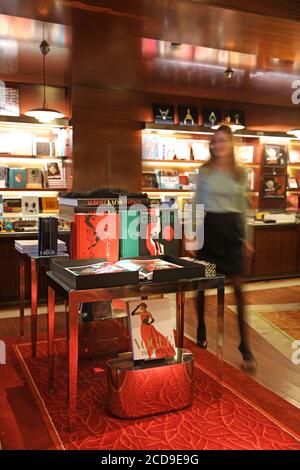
{"points": [[224, 236]]}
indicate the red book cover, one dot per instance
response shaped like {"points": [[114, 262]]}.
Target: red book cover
{"points": [[97, 236]]}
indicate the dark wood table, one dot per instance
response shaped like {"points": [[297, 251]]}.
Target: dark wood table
{"points": [[142, 289], [36, 262]]}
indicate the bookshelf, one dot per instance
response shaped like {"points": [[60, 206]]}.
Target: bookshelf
{"points": [[35, 165], [162, 143]]}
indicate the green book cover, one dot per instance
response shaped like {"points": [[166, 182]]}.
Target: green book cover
{"points": [[129, 245]]}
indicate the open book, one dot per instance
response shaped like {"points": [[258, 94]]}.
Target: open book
{"points": [[145, 267]]}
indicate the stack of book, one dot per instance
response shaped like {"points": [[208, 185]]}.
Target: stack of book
{"points": [[30, 247]]}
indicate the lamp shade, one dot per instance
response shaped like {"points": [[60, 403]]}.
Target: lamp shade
{"points": [[44, 114]]}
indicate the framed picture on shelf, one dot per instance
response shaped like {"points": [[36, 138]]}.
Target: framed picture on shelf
{"points": [[274, 186], [275, 155], [188, 115], [163, 113], [292, 183], [250, 175]]}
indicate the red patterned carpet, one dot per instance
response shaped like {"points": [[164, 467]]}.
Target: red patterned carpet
{"points": [[229, 423]]}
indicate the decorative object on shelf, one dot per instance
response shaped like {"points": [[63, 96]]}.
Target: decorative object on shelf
{"points": [[9, 100], [30, 205], [275, 155], [211, 117], [151, 329], [163, 113], [44, 114], [48, 231], [274, 186], [188, 115]]}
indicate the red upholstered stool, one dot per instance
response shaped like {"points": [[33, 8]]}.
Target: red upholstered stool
{"points": [[152, 388]]}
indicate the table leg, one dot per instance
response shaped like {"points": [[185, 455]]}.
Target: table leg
{"points": [[180, 299], [73, 359], [22, 292], [34, 300], [51, 319], [220, 338]]}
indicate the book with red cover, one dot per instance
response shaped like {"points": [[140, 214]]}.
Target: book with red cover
{"points": [[96, 236]]}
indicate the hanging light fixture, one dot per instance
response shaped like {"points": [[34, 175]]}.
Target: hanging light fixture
{"points": [[235, 124], [294, 132], [44, 114]]}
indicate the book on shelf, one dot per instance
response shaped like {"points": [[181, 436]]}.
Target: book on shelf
{"points": [[1, 205], [12, 205], [49, 204], [34, 178], [151, 329], [250, 175], [168, 179], [149, 146], [292, 183], [149, 180], [3, 177], [17, 178], [30, 205], [95, 236], [244, 153], [292, 202], [200, 149], [166, 148], [146, 267], [5, 143], [294, 156], [42, 147], [21, 143]]}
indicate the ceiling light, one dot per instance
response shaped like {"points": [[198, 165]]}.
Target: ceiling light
{"points": [[44, 114]]}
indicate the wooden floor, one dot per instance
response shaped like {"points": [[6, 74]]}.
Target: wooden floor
{"points": [[275, 371]]}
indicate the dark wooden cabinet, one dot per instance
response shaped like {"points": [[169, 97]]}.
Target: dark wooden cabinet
{"points": [[276, 252]]}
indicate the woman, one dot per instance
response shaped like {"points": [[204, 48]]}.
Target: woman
{"points": [[156, 344], [221, 188]]}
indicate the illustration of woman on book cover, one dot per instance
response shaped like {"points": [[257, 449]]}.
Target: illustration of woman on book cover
{"points": [[156, 344]]}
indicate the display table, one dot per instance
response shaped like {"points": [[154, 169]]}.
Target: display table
{"points": [[36, 262], [142, 289]]}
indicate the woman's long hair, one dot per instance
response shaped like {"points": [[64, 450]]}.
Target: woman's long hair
{"points": [[210, 164]]}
